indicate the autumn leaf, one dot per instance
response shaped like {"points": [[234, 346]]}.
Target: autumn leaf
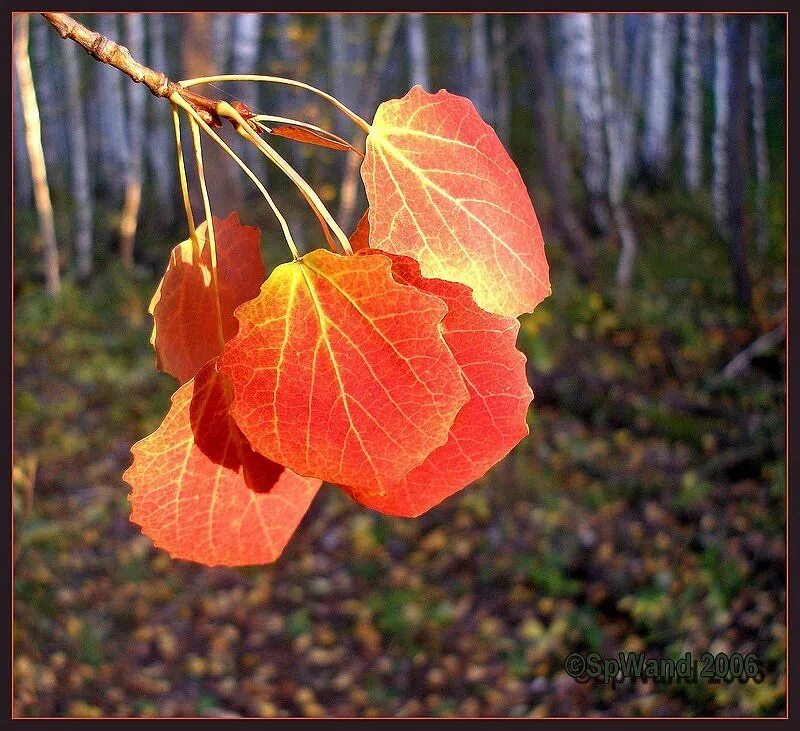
{"points": [[489, 425], [359, 239], [340, 372], [443, 190], [202, 494], [312, 137], [191, 321]]}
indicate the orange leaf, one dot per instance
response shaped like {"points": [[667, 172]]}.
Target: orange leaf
{"points": [[202, 494], [359, 239], [310, 136], [186, 328], [489, 425], [340, 372], [443, 190]]}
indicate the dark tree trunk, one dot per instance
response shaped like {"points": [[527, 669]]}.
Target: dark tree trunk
{"points": [[554, 156], [738, 234], [224, 188]]}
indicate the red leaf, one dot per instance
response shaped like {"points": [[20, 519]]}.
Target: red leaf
{"points": [[489, 425], [443, 190], [359, 239], [202, 494], [310, 136], [340, 372], [186, 328]]}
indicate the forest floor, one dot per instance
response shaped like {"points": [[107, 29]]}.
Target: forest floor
{"points": [[644, 513]]}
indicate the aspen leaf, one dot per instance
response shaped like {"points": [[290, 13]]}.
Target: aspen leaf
{"points": [[190, 319], [492, 421], [340, 372], [311, 137], [443, 190], [202, 494], [359, 239]]}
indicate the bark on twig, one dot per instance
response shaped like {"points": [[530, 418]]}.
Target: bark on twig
{"points": [[113, 54]]}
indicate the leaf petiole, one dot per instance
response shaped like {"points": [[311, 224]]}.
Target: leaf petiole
{"points": [[355, 118], [212, 241], [178, 100], [226, 111]]}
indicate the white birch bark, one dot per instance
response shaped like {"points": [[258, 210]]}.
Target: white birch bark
{"points": [[160, 135], [417, 44], [636, 91], [613, 123], [692, 104], [50, 99], [502, 120], [245, 57], [581, 69], [137, 95], [23, 186], [337, 63], [113, 141], [755, 71], [351, 193], [33, 140], [221, 26], [480, 68], [719, 144], [79, 161], [660, 96]]}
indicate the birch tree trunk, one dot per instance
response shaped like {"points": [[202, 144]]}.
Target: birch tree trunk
{"points": [[137, 96], [581, 70], [51, 101], [221, 28], [613, 122], [757, 33], [658, 110], [23, 186], [719, 143], [224, 185], [79, 161], [458, 73], [33, 140], [636, 92], [245, 56], [417, 43], [502, 120], [692, 104], [737, 159], [160, 135], [554, 155], [480, 68], [337, 62], [113, 141], [368, 99]]}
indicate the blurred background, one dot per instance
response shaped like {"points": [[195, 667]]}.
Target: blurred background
{"points": [[645, 512]]}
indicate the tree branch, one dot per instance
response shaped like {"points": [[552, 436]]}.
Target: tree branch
{"points": [[113, 54]]}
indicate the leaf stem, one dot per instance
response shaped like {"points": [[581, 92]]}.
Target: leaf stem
{"points": [[197, 144], [225, 110], [363, 124], [187, 203], [178, 99]]}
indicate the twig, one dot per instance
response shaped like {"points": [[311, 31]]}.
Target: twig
{"points": [[742, 361], [113, 54]]}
